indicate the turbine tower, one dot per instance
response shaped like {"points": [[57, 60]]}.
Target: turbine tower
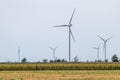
{"points": [[97, 48], [70, 33], [19, 54], [104, 45], [53, 49]]}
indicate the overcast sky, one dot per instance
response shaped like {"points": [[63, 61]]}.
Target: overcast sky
{"points": [[28, 24]]}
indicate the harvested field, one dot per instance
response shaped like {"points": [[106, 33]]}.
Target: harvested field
{"points": [[61, 75]]}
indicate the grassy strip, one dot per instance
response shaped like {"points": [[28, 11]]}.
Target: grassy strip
{"points": [[60, 66]]}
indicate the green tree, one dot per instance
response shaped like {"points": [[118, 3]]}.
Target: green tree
{"points": [[114, 58], [45, 60], [24, 60]]}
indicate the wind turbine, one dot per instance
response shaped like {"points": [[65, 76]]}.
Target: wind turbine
{"points": [[104, 45], [69, 25], [53, 49], [97, 48], [19, 54]]}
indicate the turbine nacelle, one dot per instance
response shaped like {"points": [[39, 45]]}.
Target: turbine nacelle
{"points": [[70, 25]]}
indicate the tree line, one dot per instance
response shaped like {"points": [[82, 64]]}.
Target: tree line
{"points": [[114, 58]]}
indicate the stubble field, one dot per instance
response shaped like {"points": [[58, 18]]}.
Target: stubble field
{"points": [[60, 71], [61, 75]]}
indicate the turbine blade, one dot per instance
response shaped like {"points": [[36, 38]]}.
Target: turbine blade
{"points": [[56, 47], [100, 37], [61, 26], [108, 39], [99, 46], [104, 47], [51, 48], [72, 16], [72, 35], [94, 48]]}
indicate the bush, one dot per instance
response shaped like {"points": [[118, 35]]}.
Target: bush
{"points": [[114, 58], [24, 60]]}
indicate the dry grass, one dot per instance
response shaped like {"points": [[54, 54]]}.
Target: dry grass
{"points": [[60, 75]]}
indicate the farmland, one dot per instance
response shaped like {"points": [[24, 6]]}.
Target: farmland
{"points": [[60, 71], [61, 75], [59, 66]]}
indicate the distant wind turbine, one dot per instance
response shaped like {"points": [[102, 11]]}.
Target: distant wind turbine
{"points": [[70, 33], [97, 48], [104, 45], [19, 54], [53, 49]]}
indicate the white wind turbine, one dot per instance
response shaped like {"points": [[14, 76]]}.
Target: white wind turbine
{"points": [[97, 48], [19, 54], [53, 49], [104, 45], [70, 33]]}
